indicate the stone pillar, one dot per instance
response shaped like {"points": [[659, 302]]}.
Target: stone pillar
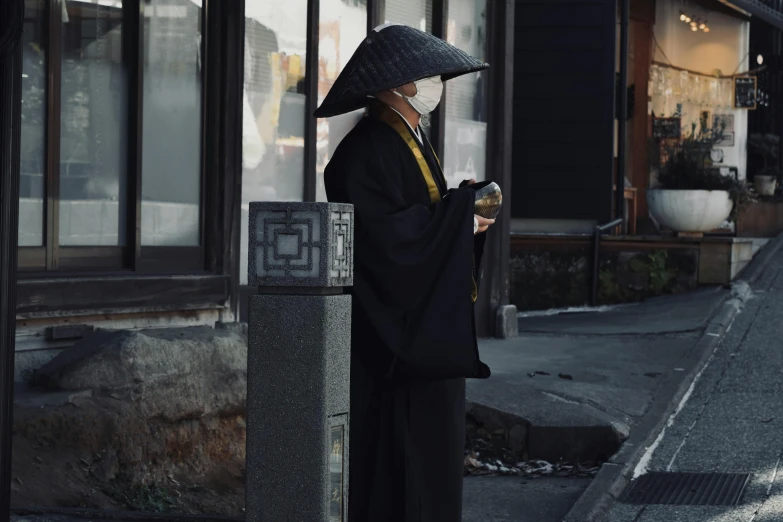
{"points": [[506, 322], [298, 371]]}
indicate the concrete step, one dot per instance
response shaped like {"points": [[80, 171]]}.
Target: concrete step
{"points": [[540, 425], [573, 386], [588, 394]]}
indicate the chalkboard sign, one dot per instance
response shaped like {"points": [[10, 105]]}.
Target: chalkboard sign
{"points": [[667, 128], [745, 92]]}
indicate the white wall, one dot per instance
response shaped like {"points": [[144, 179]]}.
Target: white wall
{"points": [[725, 48]]}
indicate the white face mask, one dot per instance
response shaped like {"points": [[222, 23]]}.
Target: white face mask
{"points": [[428, 94]]}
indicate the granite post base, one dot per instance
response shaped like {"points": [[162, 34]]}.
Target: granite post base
{"points": [[298, 376]]}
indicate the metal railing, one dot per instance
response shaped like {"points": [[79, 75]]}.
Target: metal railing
{"points": [[597, 233]]}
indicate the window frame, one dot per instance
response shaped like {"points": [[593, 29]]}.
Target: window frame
{"points": [[135, 276], [57, 259]]}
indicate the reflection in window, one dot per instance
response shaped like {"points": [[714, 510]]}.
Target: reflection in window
{"points": [[171, 148], [93, 133], [343, 26], [466, 96], [414, 13], [273, 106], [33, 142]]}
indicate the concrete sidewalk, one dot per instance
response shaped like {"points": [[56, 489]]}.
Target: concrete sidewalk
{"points": [[578, 383]]}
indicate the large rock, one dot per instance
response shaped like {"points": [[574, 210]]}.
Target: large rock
{"points": [[171, 374]]}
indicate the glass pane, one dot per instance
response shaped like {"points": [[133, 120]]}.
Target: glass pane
{"points": [[33, 143], [171, 121], [415, 13], [343, 26], [93, 128], [466, 96], [273, 107]]}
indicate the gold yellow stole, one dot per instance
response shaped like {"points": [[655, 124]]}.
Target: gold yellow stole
{"points": [[387, 115]]}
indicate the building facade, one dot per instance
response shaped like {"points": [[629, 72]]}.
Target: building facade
{"points": [[147, 127], [681, 60]]}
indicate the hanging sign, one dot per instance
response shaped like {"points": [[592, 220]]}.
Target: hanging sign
{"points": [[745, 92], [666, 128]]}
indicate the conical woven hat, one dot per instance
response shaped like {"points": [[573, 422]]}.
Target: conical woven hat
{"points": [[391, 56]]}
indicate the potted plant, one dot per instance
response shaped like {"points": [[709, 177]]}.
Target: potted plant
{"points": [[691, 195], [767, 147]]}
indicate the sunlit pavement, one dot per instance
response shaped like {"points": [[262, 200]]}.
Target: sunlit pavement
{"points": [[732, 421]]}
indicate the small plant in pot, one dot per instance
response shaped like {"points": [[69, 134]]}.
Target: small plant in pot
{"points": [[766, 146], [691, 195]]}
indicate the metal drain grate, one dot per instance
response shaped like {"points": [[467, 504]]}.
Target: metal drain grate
{"points": [[687, 489]]}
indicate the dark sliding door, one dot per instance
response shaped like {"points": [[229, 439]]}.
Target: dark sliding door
{"points": [[563, 120]]}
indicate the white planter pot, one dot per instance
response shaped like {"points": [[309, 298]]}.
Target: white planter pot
{"points": [[689, 210], [765, 185]]}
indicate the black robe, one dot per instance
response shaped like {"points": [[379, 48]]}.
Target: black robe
{"points": [[413, 334]]}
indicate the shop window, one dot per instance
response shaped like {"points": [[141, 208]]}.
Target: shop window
{"points": [[172, 128], [274, 101], [93, 126], [343, 26], [33, 150], [691, 82], [466, 96], [111, 138]]}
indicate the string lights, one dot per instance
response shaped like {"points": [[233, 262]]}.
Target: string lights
{"points": [[694, 22]]}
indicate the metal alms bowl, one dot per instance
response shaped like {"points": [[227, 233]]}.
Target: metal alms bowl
{"points": [[489, 199]]}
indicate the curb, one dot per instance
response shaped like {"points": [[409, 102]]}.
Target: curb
{"points": [[568, 443], [615, 475]]}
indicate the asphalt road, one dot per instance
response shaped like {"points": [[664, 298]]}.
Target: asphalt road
{"points": [[616, 362], [733, 420]]}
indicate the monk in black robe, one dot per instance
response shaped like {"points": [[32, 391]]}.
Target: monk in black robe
{"points": [[417, 249]]}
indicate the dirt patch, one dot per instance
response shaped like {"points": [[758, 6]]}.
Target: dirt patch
{"points": [[102, 453]]}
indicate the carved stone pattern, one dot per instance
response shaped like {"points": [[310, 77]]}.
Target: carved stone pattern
{"points": [[341, 245], [304, 244], [303, 247]]}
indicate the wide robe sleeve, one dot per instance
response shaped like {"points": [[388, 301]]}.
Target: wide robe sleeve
{"points": [[414, 269]]}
